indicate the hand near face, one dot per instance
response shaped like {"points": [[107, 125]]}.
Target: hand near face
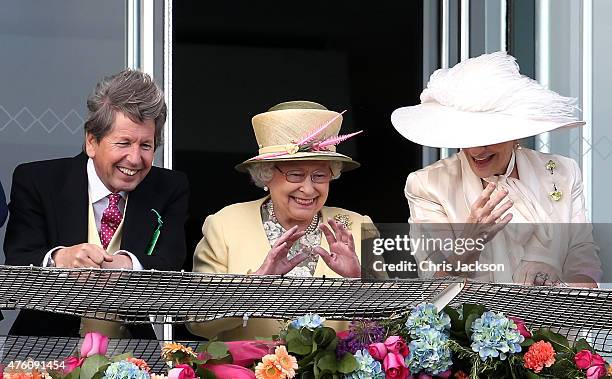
{"points": [[276, 262], [341, 257], [85, 255], [484, 220]]}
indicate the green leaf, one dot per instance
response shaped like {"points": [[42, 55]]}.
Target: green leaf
{"points": [[324, 336], [202, 347], [327, 362], [528, 342], [532, 375], [205, 374], [559, 342], [298, 347], [347, 364], [469, 309], [121, 357], [217, 350], [582, 344], [92, 365], [74, 374], [457, 323], [468, 324]]}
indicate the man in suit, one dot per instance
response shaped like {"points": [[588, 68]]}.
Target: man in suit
{"points": [[96, 209]]}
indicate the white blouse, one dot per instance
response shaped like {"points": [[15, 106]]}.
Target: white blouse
{"points": [[542, 229]]}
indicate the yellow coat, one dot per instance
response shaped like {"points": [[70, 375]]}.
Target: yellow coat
{"points": [[234, 242]]}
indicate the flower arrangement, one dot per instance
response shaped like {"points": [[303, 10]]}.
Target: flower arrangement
{"points": [[469, 342]]}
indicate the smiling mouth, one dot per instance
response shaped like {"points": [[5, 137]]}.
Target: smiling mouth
{"points": [[304, 202], [483, 161], [127, 171]]}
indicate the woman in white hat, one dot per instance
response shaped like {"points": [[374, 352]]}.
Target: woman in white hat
{"points": [[290, 231], [526, 207]]}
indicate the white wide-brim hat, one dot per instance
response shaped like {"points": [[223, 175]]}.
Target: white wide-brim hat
{"points": [[279, 129], [483, 101]]}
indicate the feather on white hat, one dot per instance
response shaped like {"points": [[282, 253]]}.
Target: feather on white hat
{"points": [[483, 101]]}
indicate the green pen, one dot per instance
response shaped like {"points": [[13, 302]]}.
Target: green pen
{"points": [[153, 241]]}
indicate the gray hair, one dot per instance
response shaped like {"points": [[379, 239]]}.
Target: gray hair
{"points": [[262, 172], [130, 92]]}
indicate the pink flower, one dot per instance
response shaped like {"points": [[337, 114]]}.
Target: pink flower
{"points": [[377, 350], [343, 334], [230, 371], [593, 363], [94, 343], [583, 359], [245, 353], [522, 328], [395, 367], [597, 369], [396, 344], [181, 372], [71, 363]]}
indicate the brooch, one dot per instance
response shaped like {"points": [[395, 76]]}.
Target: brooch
{"points": [[344, 220], [555, 194], [156, 233]]}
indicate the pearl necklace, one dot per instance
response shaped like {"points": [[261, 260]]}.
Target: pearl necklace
{"points": [[309, 230]]}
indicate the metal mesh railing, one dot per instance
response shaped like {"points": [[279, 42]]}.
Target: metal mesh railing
{"points": [[151, 296]]}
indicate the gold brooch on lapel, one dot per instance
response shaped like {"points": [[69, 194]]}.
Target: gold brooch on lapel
{"points": [[556, 194], [551, 166], [344, 220]]}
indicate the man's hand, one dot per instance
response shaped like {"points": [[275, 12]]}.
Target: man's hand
{"points": [[84, 255], [119, 261]]}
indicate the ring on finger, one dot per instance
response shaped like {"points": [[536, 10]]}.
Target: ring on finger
{"points": [[540, 278]]}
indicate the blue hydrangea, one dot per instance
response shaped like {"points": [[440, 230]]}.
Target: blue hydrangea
{"points": [[124, 370], [429, 353], [367, 367], [310, 321], [424, 317], [495, 336]]}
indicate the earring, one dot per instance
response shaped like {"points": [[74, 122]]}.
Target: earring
{"points": [[265, 188]]}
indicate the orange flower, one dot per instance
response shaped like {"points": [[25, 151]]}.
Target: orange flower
{"points": [[609, 373], [269, 368], [287, 362], [140, 363], [176, 352], [540, 354], [461, 375]]}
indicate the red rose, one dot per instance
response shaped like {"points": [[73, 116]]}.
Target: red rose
{"points": [[583, 359], [378, 351], [182, 372], [594, 364], [71, 363], [522, 328], [94, 343], [395, 367], [597, 369], [396, 344]]}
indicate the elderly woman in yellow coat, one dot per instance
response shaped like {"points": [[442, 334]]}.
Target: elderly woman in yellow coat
{"points": [[290, 231], [526, 207]]}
